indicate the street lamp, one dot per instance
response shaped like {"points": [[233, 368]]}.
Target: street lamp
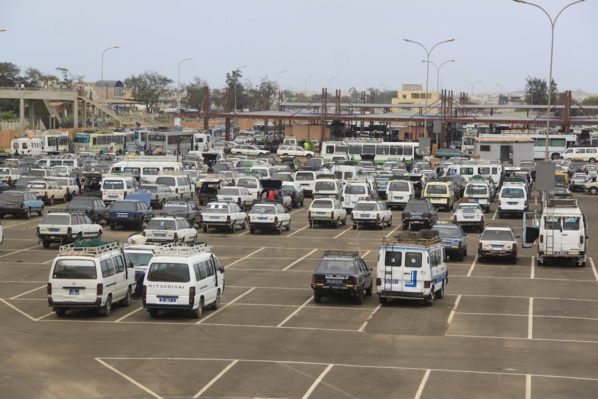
{"points": [[109, 48], [472, 85], [438, 76], [427, 72], [178, 85], [310, 76], [552, 23], [278, 75], [2, 30], [236, 84], [330, 80]]}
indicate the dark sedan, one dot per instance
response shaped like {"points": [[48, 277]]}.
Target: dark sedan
{"points": [[182, 208], [93, 207], [419, 213]]}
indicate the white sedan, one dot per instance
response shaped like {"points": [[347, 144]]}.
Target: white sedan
{"points": [[373, 213], [248, 150], [294, 150], [326, 210]]}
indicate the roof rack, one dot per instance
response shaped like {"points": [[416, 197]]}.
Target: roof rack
{"points": [[560, 202], [422, 238], [65, 210], [462, 161], [91, 250], [182, 250], [159, 158], [173, 173], [505, 225], [333, 252]]}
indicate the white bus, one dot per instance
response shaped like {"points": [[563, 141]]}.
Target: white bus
{"points": [[380, 150], [557, 143], [171, 141], [55, 141]]}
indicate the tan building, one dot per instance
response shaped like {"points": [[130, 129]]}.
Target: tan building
{"points": [[413, 94]]}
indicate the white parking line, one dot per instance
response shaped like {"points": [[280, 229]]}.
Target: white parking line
{"points": [[18, 224], [472, 266], [594, 268], [391, 233], [365, 323], [16, 252], [127, 315], [528, 386], [295, 312], [126, 377], [530, 319], [25, 293], [298, 260], [343, 232], [297, 231], [533, 272], [454, 310], [317, 381], [17, 309], [422, 384], [215, 379], [495, 213], [226, 306], [251, 254]]}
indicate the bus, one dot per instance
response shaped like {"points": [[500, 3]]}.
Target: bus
{"points": [[557, 143], [170, 141], [381, 151], [96, 141], [55, 141]]}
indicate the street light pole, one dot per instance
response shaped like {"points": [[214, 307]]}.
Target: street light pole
{"points": [[438, 76], [178, 85], [552, 23], [427, 73], [278, 75], [472, 85], [236, 84], [109, 48], [310, 76], [330, 80]]}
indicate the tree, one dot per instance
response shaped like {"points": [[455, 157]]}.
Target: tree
{"points": [[9, 77], [263, 94], [195, 93], [536, 91], [148, 88], [237, 90]]}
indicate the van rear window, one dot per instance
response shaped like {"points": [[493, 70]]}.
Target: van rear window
{"points": [[354, 189], [79, 269], [392, 258], [169, 272], [413, 259], [114, 185]]}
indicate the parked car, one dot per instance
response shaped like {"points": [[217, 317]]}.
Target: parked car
{"points": [[20, 203], [170, 229], [160, 193], [371, 213], [130, 212], [419, 213], [326, 211], [291, 150], [187, 209], [342, 273], [64, 227], [498, 241], [268, 216], [239, 195], [47, 191], [223, 215], [469, 214], [93, 207], [454, 240], [297, 196]]}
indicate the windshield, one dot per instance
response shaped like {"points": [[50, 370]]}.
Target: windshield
{"points": [[261, 209], [360, 206], [417, 207], [336, 266], [355, 189], [81, 204], [325, 185], [228, 191], [322, 204], [476, 190], [247, 183], [497, 235], [113, 185], [436, 189], [304, 176], [148, 189], [216, 208], [169, 272]]}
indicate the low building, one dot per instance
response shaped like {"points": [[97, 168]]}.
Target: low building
{"points": [[504, 149]]}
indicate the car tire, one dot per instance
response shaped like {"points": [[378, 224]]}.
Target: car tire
{"points": [[28, 213], [41, 212], [216, 304], [154, 313], [126, 301], [429, 300], [354, 226], [251, 229], [390, 222], [60, 312], [107, 308], [405, 227], [112, 226], [205, 228], [370, 289], [196, 313], [440, 293], [460, 256], [593, 190], [46, 243], [244, 225], [233, 227], [288, 228], [317, 297], [359, 298], [382, 300]]}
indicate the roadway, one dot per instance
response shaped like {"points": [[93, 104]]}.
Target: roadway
{"points": [[517, 331]]}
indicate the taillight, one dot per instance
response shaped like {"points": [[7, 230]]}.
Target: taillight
{"points": [[176, 236], [143, 234], [313, 279], [482, 218], [541, 238], [332, 215], [187, 216], [351, 215], [377, 216], [157, 197], [309, 213], [525, 203], [581, 239], [515, 246], [355, 280], [191, 295], [46, 194], [49, 289], [247, 218], [480, 245], [455, 218], [378, 281], [499, 202], [144, 293], [276, 220], [100, 289]]}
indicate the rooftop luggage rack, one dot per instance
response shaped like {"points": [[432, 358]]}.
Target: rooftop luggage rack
{"points": [[93, 247], [182, 250], [560, 202], [333, 252], [422, 238], [64, 210]]}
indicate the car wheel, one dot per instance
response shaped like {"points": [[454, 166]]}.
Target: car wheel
{"points": [[112, 226], [440, 293], [354, 226], [107, 308], [390, 222], [405, 227], [592, 160], [317, 297], [370, 289], [196, 313], [460, 256], [154, 313], [28, 213], [593, 190], [337, 223], [244, 225], [251, 229], [41, 211], [382, 300], [359, 298], [60, 312], [216, 303], [233, 227], [126, 301], [46, 243], [279, 229], [514, 260], [429, 300], [205, 228], [288, 228]]}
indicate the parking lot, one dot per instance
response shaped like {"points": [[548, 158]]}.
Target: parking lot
{"points": [[502, 330]]}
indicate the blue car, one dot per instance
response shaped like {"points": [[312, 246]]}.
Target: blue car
{"points": [[454, 240], [20, 203], [130, 212]]}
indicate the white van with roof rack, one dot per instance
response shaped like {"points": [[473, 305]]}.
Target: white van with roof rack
{"points": [[411, 265], [179, 182], [116, 186], [90, 275], [184, 278]]}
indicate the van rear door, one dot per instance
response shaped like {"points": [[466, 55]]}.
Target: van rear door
{"points": [[403, 271], [531, 228]]}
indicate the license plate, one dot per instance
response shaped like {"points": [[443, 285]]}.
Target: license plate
{"points": [[365, 215], [561, 252], [416, 217], [168, 300], [160, 234], [496, 246], [122, 215], [74, 291], [320, 213], [468, 217], [214, 217], [53, 229], [262, 218], [512, 203], [334, 282]]}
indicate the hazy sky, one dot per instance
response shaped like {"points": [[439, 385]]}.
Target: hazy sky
{"points": [[343, 43]]}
